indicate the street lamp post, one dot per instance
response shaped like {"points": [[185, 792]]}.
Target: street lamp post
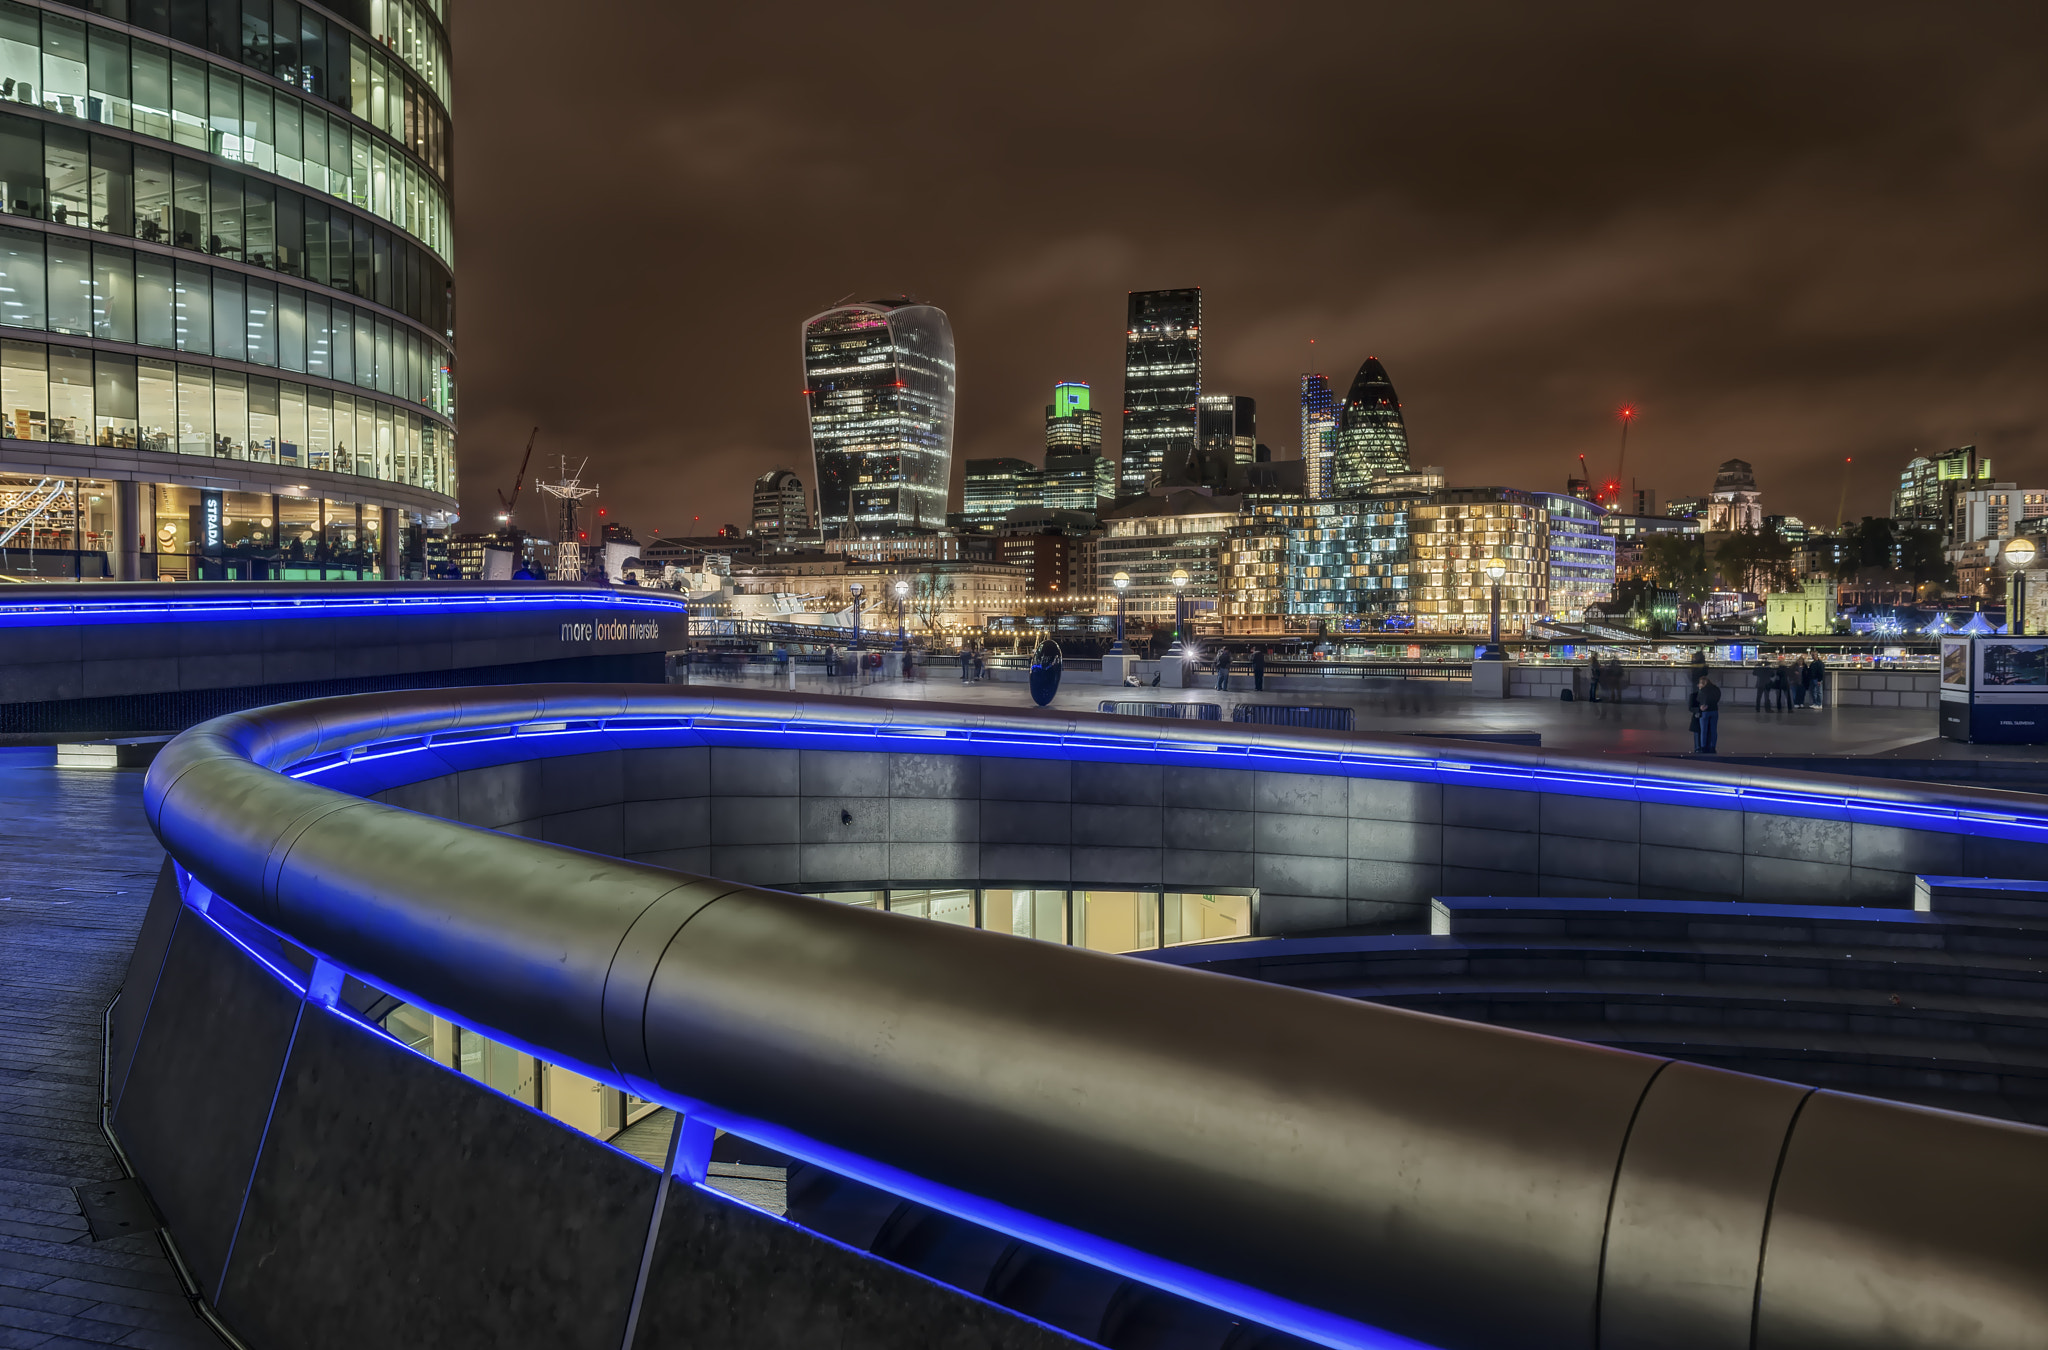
{"points": [[2016, 555], [1122, 582], [1180, 585], [1495, 570], [856, 588], [902, 596]]}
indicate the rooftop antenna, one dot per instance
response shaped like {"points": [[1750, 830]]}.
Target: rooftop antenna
{"points": [[568, 546]]}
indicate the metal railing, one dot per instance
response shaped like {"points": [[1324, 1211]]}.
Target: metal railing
{"points": [[1353, 1174]]}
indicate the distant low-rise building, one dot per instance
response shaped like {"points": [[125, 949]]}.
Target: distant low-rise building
{"points": [[1807, 612]]}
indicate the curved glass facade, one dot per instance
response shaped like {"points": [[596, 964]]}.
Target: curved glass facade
{"points": [[1372, 442], [224, 236], [878, 379], [68, 68]]}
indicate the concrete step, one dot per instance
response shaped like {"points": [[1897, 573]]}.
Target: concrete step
{"points": [[2014, 903]]}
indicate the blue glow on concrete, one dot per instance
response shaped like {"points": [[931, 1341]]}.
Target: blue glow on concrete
{"points": [[343, 600], [1105, 747], [1242, 1300]]}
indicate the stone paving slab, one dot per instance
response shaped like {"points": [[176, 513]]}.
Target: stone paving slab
{"points": [[77, 864]]}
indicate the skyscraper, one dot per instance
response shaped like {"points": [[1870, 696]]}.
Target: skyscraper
{"points": [[878, 385], [1319, 434], [1077, 474], [1371, 440], [782, 509], [1071, 426], [992, 488], [1162, 381], [1228, 424]]}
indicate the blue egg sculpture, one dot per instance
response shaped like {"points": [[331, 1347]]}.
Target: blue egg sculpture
{"points": [[1046, 664]]}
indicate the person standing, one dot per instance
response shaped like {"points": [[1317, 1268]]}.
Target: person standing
{"points": [[1259, 669], [1593, 672], [1223, 668], [1781, 687], [1706, 715], [1816, 682]]}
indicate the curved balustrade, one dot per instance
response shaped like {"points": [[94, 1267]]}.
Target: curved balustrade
{"points": [[1353, 1174]]}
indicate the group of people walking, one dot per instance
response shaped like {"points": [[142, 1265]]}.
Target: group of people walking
{"points": [[1781, 687]]}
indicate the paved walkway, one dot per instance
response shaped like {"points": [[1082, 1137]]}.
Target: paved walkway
{"points": [[76, 867], [1426, 706]]}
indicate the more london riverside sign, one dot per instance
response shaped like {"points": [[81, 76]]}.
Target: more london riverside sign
{"points": [[613, 630]]}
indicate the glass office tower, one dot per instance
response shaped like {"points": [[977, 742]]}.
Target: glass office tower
{"points": [[878, 386], [1319, 435], [1227, 425], [227, 309], [1371, 440], [1162, 382]]}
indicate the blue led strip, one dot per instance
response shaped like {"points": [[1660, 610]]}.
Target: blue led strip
{"points": [[1312, 1324], [178, 609], [1102, 747]]}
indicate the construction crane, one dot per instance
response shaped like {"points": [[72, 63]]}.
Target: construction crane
{"points": [[511, 504]]}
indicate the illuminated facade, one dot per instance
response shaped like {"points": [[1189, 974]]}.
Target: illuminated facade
{"points": [[1581, 556], [1077, 476], [226, 288], [1372, 440], [1319, 434], [1734, 504], [1452, 539], [1227, 426], [1162, 382], [992, 488], [1153, 538], [878, 387], [782, 509], [1928, 486], [1289, 562]]}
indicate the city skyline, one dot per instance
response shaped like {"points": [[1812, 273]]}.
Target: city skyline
{"points": [[1691, 258]]}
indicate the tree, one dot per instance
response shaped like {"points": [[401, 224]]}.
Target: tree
{"points": [[1755, 562], [1674, 562]]}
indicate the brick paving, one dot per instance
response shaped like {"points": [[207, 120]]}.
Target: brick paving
{"points": [[76, 867]]}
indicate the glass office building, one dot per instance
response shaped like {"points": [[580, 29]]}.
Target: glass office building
{"points": [[1292, 560], [1162, 383], [1453, 538], [992, 488], [1319, 434], [878, 388], [1581, 556], [1372, 442], [226, 273], [1077, 476]]}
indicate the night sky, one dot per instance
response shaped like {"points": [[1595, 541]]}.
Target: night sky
{"points": [[1787, 233]]}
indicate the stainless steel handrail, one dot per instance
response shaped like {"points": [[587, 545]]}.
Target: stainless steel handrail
{"points": [[1324, 1165]]}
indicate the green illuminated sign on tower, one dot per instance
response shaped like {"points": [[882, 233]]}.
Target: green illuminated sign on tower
{"points": [[1068, 399]]}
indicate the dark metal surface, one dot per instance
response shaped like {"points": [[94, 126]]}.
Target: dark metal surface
{"points": [[1458, 1184], [1047, 663]]}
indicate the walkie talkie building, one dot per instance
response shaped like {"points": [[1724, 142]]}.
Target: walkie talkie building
{"points": [[878, 388], [226, 288]]}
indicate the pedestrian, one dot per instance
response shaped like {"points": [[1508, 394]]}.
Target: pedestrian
{"points": [[966, 663], [1614, 679], [1763, 684], [831, 662], [1816, 682], [1593, 673], [1781, 687], [1223, 668], [1706, 714], [1259, 669]]}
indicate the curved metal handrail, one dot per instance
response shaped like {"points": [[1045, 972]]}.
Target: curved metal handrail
{"points": [[1351, 1173]]}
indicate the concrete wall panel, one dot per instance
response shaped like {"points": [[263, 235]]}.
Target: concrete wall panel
{"points": [[1301, 794], [1026, 822], [1119, 785], [744, 771], [1194, 827], [515, 1229], [1214, 789], [835, 864], [1125, 826], [138, 987], [206, 1068], [1691, 827], [726, 1277], [957, 777], [1027, 780], [1797, 838], [652, 826], [1590, 817], [663, 773], [842, 773], [1383, 799]]}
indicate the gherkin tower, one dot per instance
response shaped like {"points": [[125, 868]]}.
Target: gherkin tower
{"points": [[1372, 441]]}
